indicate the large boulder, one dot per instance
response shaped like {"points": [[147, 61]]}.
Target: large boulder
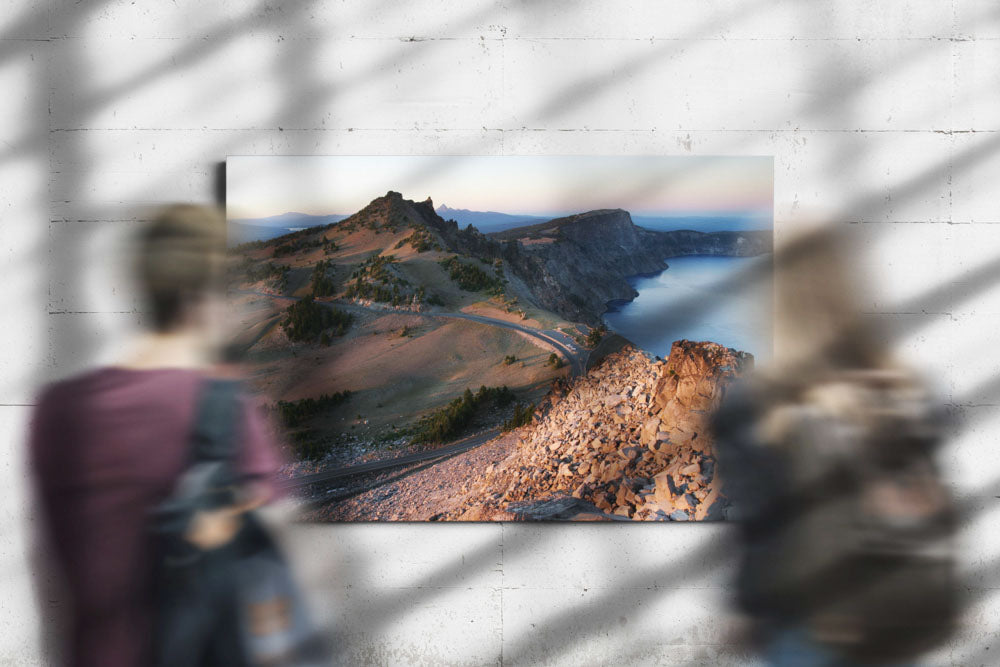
{"points": [[693, 384]]}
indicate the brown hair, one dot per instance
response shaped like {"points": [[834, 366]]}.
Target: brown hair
{"points": [[819, 327], [180, 259]]}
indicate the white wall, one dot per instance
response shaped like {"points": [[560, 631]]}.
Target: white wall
{"points": [[885, 114]]}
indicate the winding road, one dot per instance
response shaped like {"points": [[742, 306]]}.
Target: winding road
{"points": [[564, 344], [575, 355]]}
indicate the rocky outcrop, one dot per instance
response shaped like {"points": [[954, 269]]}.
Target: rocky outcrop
{"points": [[630, 440], [579, 264], [576, 265]]}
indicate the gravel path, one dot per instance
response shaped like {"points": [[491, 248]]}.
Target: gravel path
{"points": [[421, 492]]}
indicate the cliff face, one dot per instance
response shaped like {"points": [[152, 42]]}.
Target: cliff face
{"points": [[630, 440], [575, 265], [583, 263]]}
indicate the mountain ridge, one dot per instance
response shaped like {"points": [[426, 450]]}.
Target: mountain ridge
{"points": [[486, 221], [291, 219], [572, 265]]}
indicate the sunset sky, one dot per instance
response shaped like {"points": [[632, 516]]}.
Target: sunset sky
{"points": [[261, 186]]}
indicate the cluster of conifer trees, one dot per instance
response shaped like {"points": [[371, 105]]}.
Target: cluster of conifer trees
{"points": [[448, 422], [471, 278], [252, 271], [596, 335], [293, 413], [522, 416], [380, 293], [322, 283], [420, 239], [248, 245], [373, 280], [296, 243], [306, 320]]}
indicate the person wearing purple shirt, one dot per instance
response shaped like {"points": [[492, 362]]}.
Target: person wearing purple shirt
{"points": [[108, 446]]}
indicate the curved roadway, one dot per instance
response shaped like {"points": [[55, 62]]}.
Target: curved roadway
{"points": [[561, 342], [575, 355]]}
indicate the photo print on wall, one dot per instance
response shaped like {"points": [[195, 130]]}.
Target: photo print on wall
{"points": [[500, 338]]}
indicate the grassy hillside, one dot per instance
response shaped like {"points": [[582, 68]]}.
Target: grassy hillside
{"points": [[398, 366]]}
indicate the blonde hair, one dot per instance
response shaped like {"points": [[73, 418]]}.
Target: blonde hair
{"points": [[180, 259]]}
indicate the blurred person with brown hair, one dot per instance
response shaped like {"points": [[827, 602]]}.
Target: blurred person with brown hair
{"points": [[108, 446], [828, 458]]}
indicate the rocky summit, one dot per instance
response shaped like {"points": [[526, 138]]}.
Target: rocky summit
{"points": [[629, 440]]}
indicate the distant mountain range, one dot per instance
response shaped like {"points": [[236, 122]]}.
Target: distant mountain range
{"points": [[291, 219], [243, 230], [486, 221]]}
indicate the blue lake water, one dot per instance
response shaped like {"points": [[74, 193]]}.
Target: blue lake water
{"points": [[737, 316]]}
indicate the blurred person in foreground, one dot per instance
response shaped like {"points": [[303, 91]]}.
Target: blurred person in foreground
{"points": [[828, 457], [110, 445]]}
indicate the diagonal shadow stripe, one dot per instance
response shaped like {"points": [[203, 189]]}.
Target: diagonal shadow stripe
{"points": [[456, 567]]}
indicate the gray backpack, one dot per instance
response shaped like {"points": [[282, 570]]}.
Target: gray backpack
{"points": [[237, 604]]}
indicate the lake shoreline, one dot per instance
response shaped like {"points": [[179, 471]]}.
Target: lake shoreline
{"points": [[615, 305], [730, 318]]}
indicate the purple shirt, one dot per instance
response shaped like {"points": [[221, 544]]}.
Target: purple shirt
{"points": [[106, 448]]}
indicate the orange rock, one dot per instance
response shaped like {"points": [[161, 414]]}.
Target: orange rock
{"points": [[663, 494], [628, 417], [691, 470]]}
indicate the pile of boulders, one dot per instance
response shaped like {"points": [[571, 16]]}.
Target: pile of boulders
{"points": [[628, 440]]}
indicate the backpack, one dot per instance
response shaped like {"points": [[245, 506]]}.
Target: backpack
{"points": [[237, 604], [855, 538]]}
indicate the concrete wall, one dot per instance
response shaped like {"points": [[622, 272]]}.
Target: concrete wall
{"points": [[883, 114]]}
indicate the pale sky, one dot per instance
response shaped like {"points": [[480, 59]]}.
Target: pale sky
{"points": [[261, 186]]}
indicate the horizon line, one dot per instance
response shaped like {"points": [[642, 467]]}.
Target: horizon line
{"points": [[549, 215]]}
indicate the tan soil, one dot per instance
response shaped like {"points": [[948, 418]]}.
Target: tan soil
{"points": [[397, 379]]}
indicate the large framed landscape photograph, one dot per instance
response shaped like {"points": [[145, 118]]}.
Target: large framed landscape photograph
{"points": [[500, 338]]}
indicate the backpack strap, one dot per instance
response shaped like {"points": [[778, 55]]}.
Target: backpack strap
{"points": [[211, 478], [213, 437]]}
